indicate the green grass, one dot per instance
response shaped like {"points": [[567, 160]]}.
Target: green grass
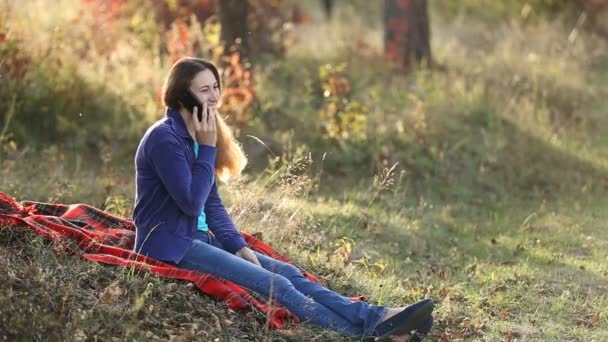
{"points": [[530, 269], [542, 263], [495, 207]]}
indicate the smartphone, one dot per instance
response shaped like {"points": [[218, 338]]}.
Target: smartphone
{"points": [[189, 100]]}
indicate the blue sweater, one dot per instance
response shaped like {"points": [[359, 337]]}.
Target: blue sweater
{"points": [[173, 188]]}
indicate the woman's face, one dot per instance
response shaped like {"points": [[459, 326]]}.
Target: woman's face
{"points": [[205, 86]]}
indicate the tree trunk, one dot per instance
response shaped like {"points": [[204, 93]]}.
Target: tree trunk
{"points": [[233, 20], [328, 7], [407, 32]]}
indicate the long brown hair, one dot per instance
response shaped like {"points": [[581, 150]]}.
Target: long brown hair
{"points": [[230, 159]]}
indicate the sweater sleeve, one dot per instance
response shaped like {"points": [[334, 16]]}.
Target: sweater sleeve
{"points": [[189, 188], [221, 224]]}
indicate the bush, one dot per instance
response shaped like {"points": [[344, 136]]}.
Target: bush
{"points": [[505, 10], [48, 97]]}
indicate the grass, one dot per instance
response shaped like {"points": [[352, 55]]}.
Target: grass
{"points": [[529, 269], [495, 207]]}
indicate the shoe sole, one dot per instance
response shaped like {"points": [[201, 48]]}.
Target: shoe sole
{"points": [[416, 319], [419, 316]]}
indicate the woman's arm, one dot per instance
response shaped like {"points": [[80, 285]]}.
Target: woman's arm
{"points": [[221, 224], [188, 188]]}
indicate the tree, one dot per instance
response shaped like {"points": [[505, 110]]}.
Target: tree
{"points": [[407, 32], [328, 7], [233, 20], [594, 16]]}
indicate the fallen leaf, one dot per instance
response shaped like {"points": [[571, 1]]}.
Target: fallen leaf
{"points": [[497, 288], [110, 294], [291, 333], [513, 335], [589, 320]]}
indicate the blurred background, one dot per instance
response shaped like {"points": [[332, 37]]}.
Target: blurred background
{"points": [[486, 94], [462, 143]]}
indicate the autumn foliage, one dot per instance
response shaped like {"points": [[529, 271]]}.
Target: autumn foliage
{"points": [[192, 28]]}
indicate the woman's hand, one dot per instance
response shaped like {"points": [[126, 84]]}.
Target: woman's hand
{"points": [[205, 130], [247, 254]]}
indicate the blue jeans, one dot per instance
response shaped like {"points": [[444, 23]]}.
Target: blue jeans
{"points": [[309, 301]]}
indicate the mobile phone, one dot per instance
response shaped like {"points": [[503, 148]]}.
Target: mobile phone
{"points": [[189, 100]]}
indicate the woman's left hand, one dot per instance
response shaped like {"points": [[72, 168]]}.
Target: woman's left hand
{"points": [[247, 254]]}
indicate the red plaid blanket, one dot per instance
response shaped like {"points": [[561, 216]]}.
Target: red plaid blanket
{"points": [[99, 236]]}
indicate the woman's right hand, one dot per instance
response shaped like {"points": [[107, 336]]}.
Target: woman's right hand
{"points": [[247, 254], [205, 130]]}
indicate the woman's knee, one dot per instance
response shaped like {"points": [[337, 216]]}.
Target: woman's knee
{"points": [[285, 269], [291, 272], [280, 283]]}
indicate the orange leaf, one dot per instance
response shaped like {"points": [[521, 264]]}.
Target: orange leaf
{"points": [[589, 320]]}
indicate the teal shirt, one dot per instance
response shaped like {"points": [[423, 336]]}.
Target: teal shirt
{"points": [[202, 221]]}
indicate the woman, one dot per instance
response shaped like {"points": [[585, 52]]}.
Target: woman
{"points": [[177, 203]]}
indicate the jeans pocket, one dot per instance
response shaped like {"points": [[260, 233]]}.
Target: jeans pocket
{"points": [[202, 236]]}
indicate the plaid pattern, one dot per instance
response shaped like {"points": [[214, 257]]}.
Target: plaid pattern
{"points": [[99, 236]]}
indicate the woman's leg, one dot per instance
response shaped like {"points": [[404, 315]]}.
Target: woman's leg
{"points": [[356, 312], [208, 258]]}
